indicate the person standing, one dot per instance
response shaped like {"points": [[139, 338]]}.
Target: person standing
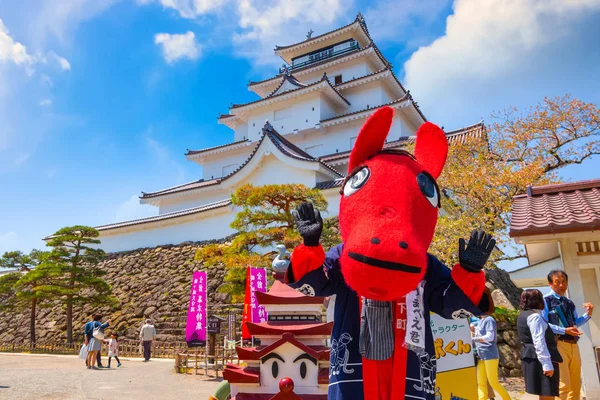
{"points": [[539, 353], [487, 351], [113, 349], [147, 336], [88, 331], [561, 314], [95, 343]]}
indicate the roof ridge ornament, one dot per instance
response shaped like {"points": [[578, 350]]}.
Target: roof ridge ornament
{"points": [[268, 127], [309, 34]]}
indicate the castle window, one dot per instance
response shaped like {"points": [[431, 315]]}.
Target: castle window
{"points": [[338, 79]]}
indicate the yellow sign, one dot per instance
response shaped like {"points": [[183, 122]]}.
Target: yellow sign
{"points": [[456, 377]]}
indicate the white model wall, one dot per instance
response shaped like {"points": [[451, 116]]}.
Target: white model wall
{"points": [[349, 70], [285, 116], [212, 167], [368, 95], [273, 171], [206, 227], [193, 199]]}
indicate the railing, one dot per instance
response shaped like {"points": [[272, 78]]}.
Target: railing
{"points": [[198, 362], [322, 55], [127, 348]]}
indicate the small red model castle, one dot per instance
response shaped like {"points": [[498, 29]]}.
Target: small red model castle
{"points": [[292, 361]]}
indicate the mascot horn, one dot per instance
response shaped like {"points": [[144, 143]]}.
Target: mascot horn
{"points": [[385, 281]]}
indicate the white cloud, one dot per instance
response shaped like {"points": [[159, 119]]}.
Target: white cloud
{"points": [[45, 102], [190, 8], [11, 51], [132, 209], [63, 62], [267, 23], [178, 46], [398, 21], [497, 53], [8, 242]]}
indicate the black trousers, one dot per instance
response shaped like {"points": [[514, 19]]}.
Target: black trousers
{"points": [[147, 345], [116, 358]]}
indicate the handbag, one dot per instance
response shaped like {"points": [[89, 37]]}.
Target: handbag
{"points": [[98, 333], [83, 353]]}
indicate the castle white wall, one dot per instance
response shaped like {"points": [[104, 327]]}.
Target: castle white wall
{"points": [[369, 95], [285, 116], [222, 164], [350, 70], [193, 199], [206, 227]]}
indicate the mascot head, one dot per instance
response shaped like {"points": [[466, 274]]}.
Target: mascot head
{"points": [[389, 209]]}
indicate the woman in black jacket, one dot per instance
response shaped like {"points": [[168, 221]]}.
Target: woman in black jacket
{"points": [[539, 354]]}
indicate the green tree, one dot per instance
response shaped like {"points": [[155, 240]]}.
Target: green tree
{"points": [[23, 290], [264, 221], [73, 264]]}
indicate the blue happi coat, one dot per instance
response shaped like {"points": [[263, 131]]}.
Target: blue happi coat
{"points": [[441, 295]]}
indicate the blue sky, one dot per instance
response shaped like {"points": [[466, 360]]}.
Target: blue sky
{"points": [[99, 99]]}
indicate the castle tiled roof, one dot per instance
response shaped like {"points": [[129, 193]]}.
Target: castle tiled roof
{"points": [[300, 88], [358, 20], [282, 144], [560, 208], [456, 136], [163, 217], [196, 152]]}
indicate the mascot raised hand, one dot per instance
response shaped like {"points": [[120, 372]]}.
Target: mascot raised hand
{"points": [[385, 281]]}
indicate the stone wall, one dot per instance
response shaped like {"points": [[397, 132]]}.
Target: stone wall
{"points": [[149, 283], [509, 349]]}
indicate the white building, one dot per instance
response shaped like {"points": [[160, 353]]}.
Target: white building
{"points": [[559, 227], [315, 106]]}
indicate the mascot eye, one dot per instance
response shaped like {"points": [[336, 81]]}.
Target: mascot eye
{"points": [[429, 188], [357, 181], [275, 369], [303, 370]]}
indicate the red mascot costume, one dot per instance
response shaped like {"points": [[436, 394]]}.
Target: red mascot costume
{"points": [[385, 282]]}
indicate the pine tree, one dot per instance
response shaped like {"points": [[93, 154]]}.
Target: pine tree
{"points": [[264, 221], [73, 265], [22, 290]]}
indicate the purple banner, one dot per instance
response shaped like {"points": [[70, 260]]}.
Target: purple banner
{"points": [[196, 319], [258, 282]]}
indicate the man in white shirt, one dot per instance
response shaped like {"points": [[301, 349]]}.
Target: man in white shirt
{"points": [[147, 336]]}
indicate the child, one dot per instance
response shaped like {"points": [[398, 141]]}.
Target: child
{"points": [[113, 349]]}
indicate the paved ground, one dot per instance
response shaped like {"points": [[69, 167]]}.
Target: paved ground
{"points": [[41, 377], [37, 377]]}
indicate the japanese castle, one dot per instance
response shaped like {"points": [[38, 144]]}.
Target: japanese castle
{"points": [[300, 129]]}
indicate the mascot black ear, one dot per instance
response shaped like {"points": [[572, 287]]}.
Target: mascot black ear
{"points": [[371, 137], [431, 148]]}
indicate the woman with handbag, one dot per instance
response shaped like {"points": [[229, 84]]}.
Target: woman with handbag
{"points": [[95, 343]]}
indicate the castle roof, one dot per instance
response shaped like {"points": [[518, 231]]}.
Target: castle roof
{"points": [[286, 147], [163, 217], [456, 136], [284, 294], [257, 353], [371, 48], [357, 29], [293, 327], [322, 84]]}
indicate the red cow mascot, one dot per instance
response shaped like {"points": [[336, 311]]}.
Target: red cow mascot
{"points": [[385, 282]]}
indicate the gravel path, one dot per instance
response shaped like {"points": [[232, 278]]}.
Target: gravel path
{"points": [[38, 377]]}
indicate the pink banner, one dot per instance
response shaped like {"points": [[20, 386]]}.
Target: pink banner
{"points": [[195, 329], [258, 282]]}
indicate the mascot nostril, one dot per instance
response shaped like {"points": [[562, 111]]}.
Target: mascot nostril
{"points": [[385, 289]]}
